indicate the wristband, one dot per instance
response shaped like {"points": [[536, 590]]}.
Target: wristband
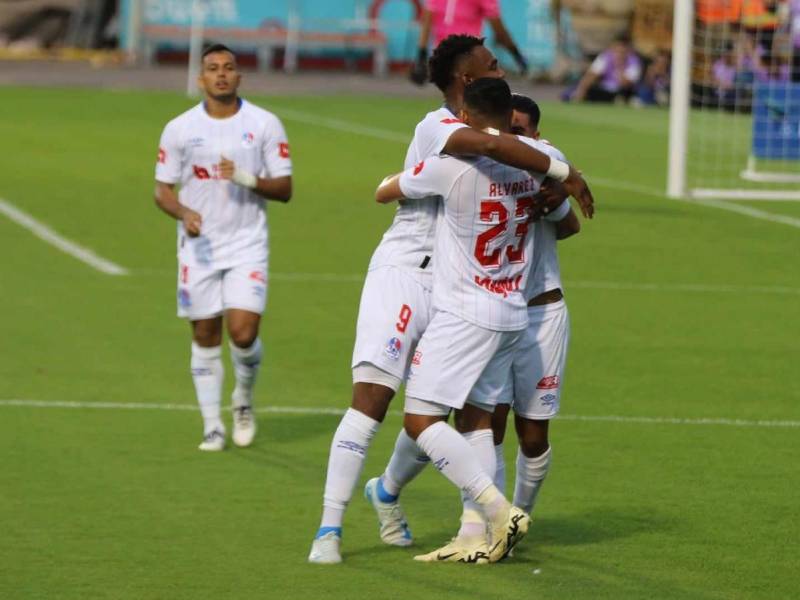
{"points": [[559, 213], [558, 170], [244, 179]]}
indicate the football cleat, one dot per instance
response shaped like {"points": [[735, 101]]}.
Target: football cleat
{"points": [[508, 533], [213, 441], [325, 549], [457, 550], [393, 526], [244, 426]]}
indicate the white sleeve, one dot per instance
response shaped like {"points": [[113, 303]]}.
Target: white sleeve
{"points": [[168, 165], [275, 149], [441, 132], [599, 64], [434, 176]]}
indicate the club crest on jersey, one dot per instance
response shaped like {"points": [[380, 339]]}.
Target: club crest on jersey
{"points": [[550, 382], [392, 349], [248, 139]]}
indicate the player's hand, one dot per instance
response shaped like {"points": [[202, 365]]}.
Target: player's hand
{"points": [[549, 197], [419, 72], [191, 222], [575, 185], [226, 168]]}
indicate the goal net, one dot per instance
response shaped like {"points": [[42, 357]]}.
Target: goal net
{"points": [[735, 104]]}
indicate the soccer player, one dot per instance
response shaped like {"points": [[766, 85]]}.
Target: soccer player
{"points": [[226, 157], [443, 18], [483, 249], [395, 301], [542, 347], [534, 388]]}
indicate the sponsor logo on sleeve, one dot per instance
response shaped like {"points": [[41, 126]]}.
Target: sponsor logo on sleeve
{"points": [[417, 358], [419, 167], [162, 156], [258, 276], [392, 348], [549, 382], [283, 150]]}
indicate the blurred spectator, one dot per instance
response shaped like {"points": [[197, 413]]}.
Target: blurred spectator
{"points": [[653, 90], [723, 75], [794, 27], [448, 17], [613, 74]]}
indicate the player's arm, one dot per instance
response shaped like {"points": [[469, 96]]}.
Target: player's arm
{"points": [[553, 201], [503, 38], [568, 226], [277, 188], [508, 150], [166, 198], [389, 189], [419, 72]]}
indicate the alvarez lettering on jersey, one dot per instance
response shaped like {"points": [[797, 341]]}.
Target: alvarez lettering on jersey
{"points": [[513, 188]]}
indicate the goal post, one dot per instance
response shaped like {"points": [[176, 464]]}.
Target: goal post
{"points": [[734, 128]]}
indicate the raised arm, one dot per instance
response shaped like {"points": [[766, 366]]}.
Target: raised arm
{"points": [[277, 188], [510, 151]]}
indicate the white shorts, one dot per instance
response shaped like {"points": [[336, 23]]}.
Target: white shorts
{"points": [[537, 373], [458, 362], [204, 293], [395, 309]]}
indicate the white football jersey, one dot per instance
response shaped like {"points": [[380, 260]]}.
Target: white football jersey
{"points": [[484, 242], [234, 226], [545, 272], [408, 242]]}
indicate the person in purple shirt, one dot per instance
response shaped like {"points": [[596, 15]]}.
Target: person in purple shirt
{"points": [[794, 27], [613, 74]]}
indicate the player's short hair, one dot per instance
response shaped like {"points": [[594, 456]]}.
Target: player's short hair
{"points": [[446, 56], [528, 106], [212, 48], [490, 96]]}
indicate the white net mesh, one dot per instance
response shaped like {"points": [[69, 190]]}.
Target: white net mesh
{"points": [[744, 126]]}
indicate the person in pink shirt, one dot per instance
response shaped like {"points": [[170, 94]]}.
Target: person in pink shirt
{"points": [[447, 17]]}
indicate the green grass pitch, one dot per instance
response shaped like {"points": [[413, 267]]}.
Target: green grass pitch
{"points": [[120, 504]]}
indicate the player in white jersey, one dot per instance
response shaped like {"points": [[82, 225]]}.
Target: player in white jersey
{"points": [[534, 388], [225, 157], [395, 302], [483, 249], [543, 346]]}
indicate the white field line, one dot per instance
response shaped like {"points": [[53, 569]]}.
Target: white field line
{"points": [[747, 211], [300, 410], [45, 233], [393, 136]]}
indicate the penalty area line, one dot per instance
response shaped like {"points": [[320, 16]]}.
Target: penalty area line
{"points": [[46, 234], [305, 410]]}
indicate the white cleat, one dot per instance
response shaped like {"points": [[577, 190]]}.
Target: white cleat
{"points": [[325, 549], [507, 534], [393, 524], [475, 552], [244, 426], [213, 441]]}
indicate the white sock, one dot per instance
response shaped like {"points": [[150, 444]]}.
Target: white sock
{"points": [[246, 362], [500, 468], [452, 455], [348, 451], [482, 442], [530, 476], [407, 461], [208, 373]]}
